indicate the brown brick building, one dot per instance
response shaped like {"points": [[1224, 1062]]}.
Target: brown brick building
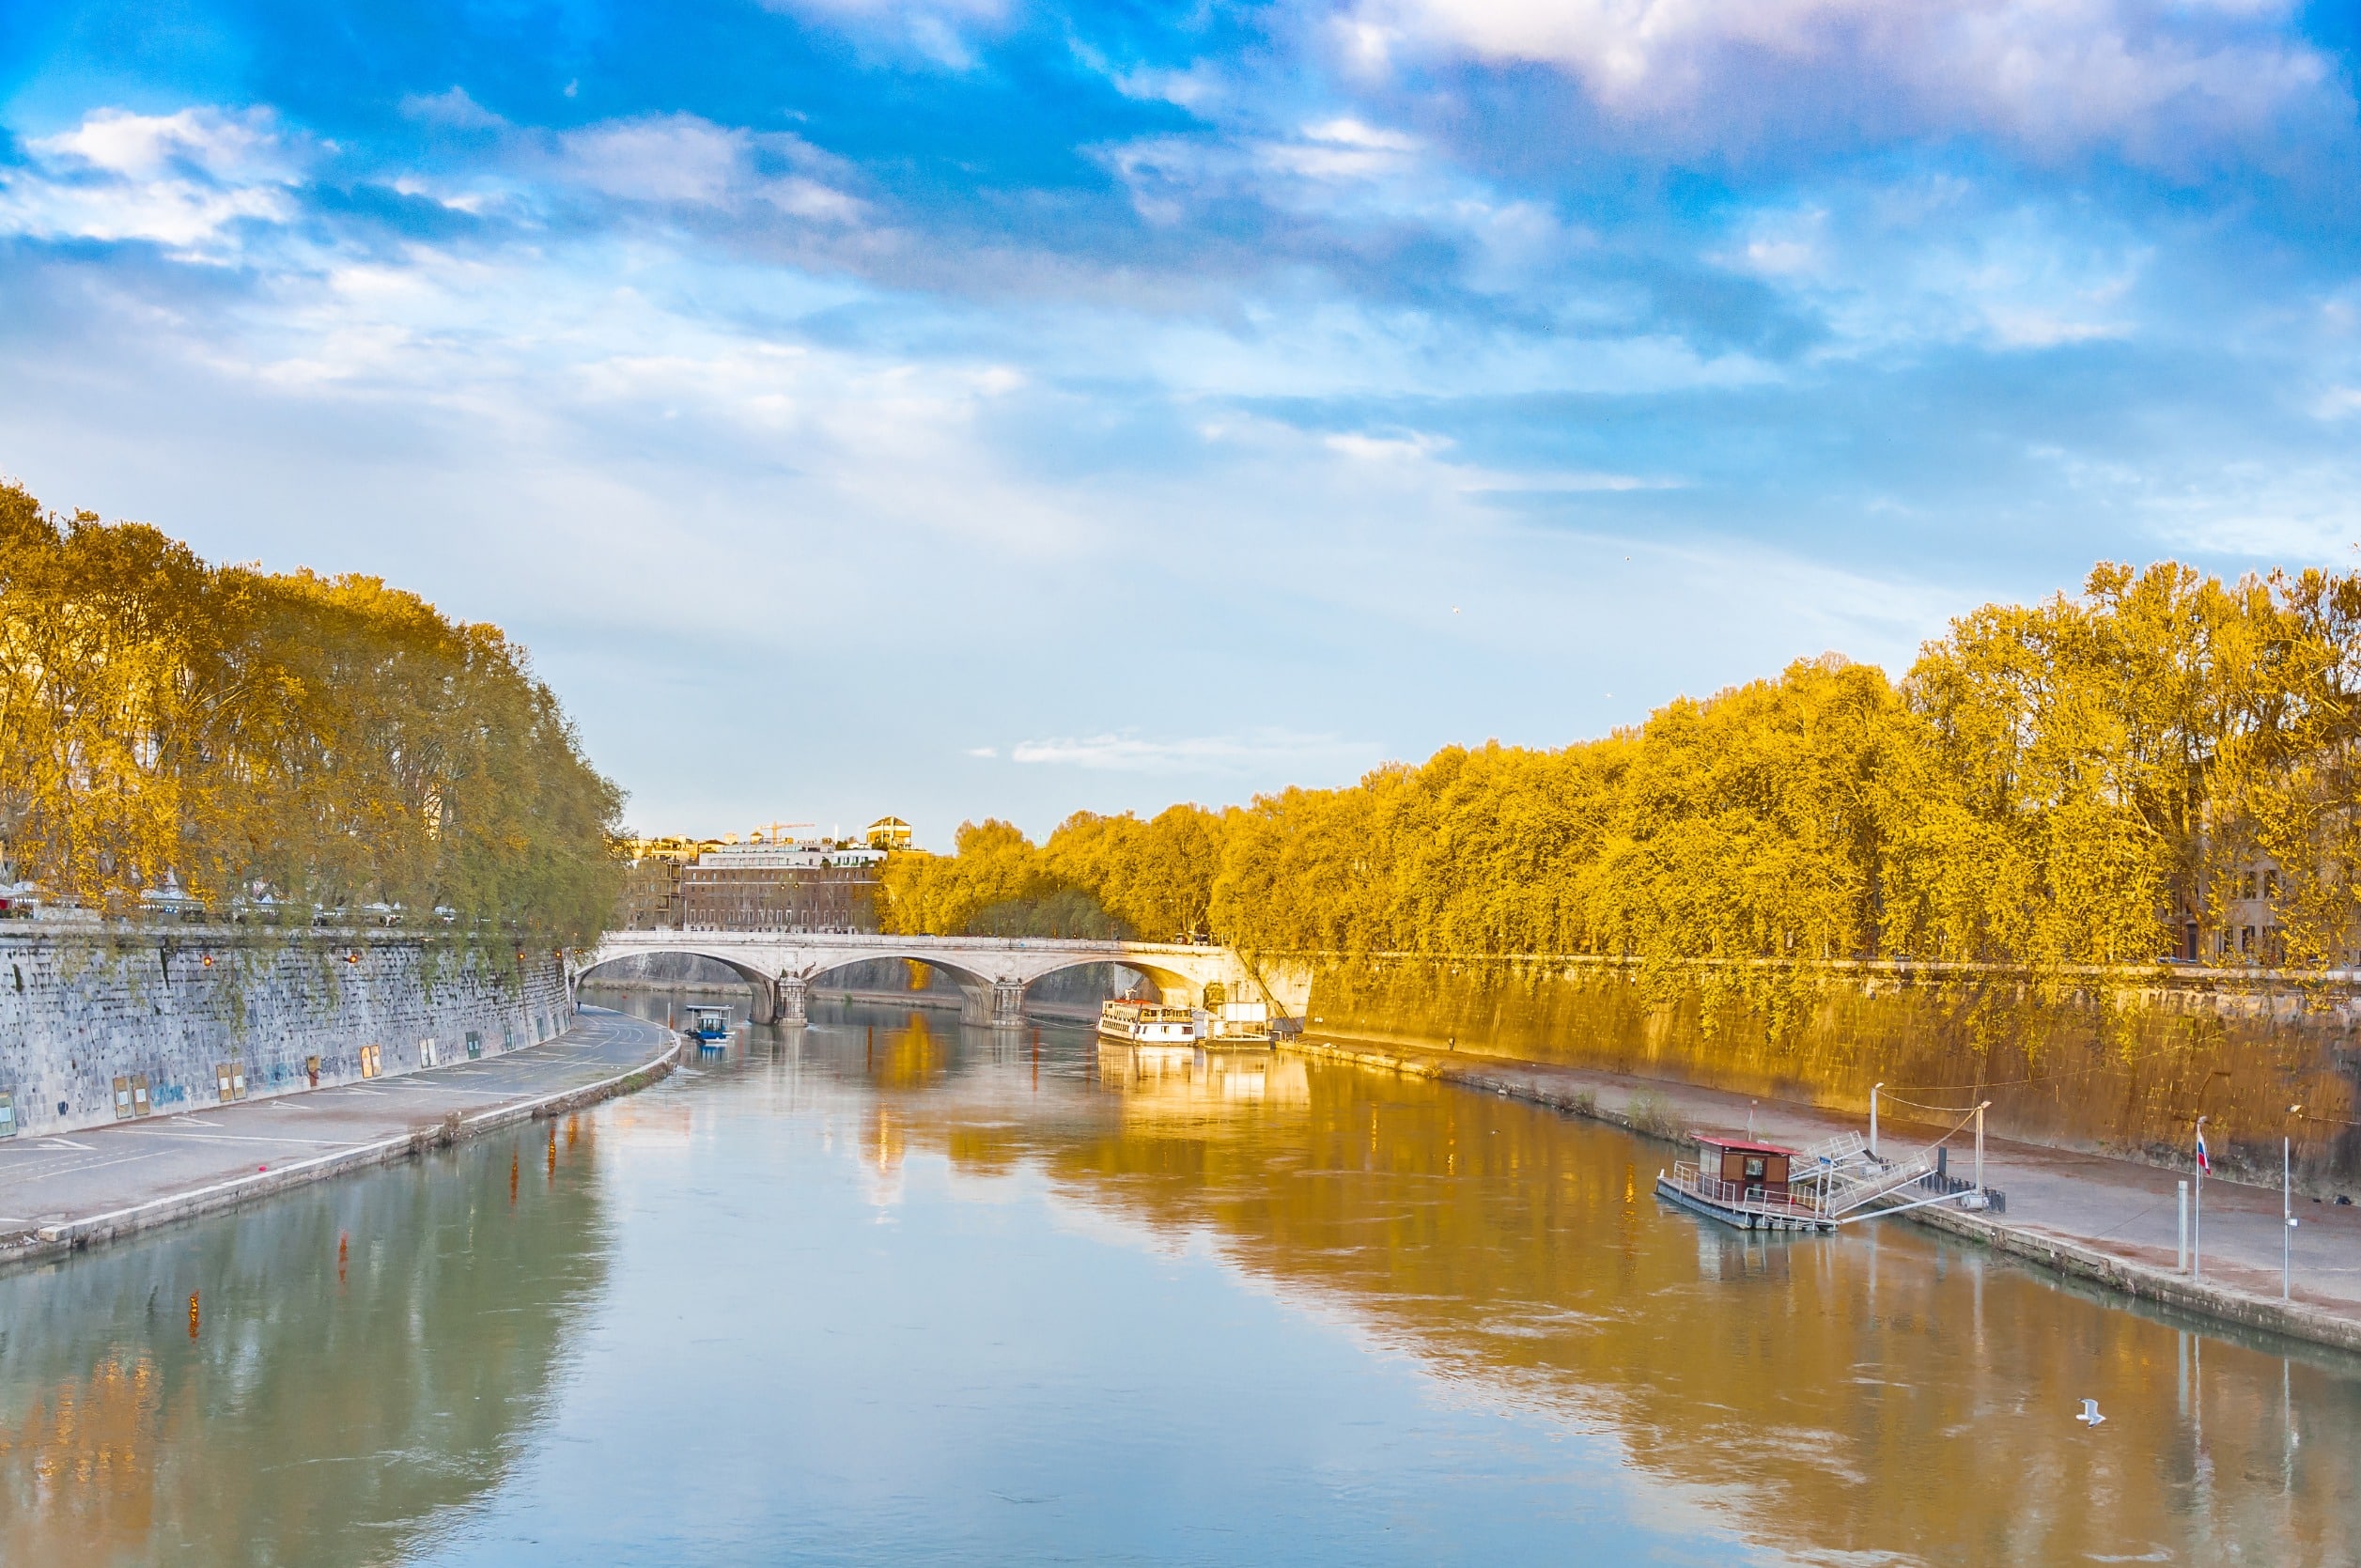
{"points": [[754, 887]]}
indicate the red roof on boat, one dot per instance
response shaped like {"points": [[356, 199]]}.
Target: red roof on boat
{"points": [[1745, 1145]]}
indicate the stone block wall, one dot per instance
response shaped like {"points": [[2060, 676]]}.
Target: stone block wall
{"points": [[83, 1005]]}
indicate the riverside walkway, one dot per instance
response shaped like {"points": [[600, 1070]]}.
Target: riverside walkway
{"points": [[2110, 1221], [72, 1190]]}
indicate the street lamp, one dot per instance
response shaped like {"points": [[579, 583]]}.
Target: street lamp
{"points": [[2196, 1232], [2287, 1204]]}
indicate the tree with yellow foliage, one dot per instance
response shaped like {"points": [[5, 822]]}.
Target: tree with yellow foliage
{"points": [[2062, 784], [325, 741]]}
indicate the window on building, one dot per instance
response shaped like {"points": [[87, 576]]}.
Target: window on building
{"points": [[2246, 939]]}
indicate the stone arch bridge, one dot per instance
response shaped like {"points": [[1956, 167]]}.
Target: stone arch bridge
{"points": [[994, 971]]}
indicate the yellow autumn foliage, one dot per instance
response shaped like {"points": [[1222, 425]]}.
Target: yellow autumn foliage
{"points": [[244, 735], [2067, 783]]}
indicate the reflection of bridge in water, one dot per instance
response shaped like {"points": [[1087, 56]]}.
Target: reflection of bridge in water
{"points": [[992, 972]]}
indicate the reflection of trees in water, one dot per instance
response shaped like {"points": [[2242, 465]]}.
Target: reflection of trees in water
{"points": [[1876, 1394], [368, 1353], [911, 1056]]}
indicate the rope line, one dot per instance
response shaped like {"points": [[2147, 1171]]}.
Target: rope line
{"points": [[1884, 1097], [2010, 1082], [2141, 1215], [1955, 1130]]}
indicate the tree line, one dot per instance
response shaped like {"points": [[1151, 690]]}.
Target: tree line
{"points": [[257, 739], [2078, 782]]}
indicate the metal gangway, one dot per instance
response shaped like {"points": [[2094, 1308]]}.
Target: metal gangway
{"points": [[1847, 1178]]}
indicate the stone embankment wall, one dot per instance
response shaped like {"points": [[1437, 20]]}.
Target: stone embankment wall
{"points": [[2122, 1064], [82, 1006]]}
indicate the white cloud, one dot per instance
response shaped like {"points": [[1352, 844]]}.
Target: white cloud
{"points": [[233, 148], [685, 161], [2338, 402], [1932, 259], [1251, 751], [936, 29], [1367, 448], [2047, 70], [1342, 149], [1313, 168], [675, 158], [179, 180], [2295, 516], [453, 107]]}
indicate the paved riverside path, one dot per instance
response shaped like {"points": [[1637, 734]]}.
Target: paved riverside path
{"points": [[2063, 1206], [53, 1188]]}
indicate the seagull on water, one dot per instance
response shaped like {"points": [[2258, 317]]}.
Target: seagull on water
{"points": [[2091, 1416]]}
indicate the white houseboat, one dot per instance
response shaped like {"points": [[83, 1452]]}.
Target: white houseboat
{"points": [[1148, 1023]]}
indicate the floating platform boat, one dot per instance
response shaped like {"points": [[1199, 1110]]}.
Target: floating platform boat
{"points": [[1747, 1185], [709, 1026], [1767, 1187]]}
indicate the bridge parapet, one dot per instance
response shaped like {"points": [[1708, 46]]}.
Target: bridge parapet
{"points": [[994, 971]]}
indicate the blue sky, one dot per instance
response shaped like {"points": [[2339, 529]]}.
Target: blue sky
{"points": [[982, 407]]}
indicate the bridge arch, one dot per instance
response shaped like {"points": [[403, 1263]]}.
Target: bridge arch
{"points": [[1176, 989], [765, 1006], [977, 989]]}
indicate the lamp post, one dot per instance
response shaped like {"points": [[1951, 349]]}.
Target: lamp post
{"points": [[2287, 1204], [2197, 1229], [2181, 1253], [1872, 1118]]}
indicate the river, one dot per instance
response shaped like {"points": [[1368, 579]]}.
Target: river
{"points": [[890, 1290]]}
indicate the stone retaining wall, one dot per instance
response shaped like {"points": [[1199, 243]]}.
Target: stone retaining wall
{"points": [[82, 1006]]}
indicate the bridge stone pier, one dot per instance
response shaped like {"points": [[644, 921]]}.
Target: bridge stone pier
{"points": [[994, 971]]}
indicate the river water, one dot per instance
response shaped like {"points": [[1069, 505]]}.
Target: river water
{"points": [[888, 1290]]}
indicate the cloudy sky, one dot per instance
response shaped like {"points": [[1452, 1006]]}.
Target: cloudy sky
{"points": [[991, 406]]}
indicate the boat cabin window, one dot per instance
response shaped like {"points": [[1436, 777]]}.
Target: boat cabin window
{"points": [[1754, 1167]]}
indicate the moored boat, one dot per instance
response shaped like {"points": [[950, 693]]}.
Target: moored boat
{"points": [[1239, 1026], [1745, 1184], [1148, 1023]]}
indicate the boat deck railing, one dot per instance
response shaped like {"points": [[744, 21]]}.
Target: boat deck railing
{"points": [[1736, 1195]]}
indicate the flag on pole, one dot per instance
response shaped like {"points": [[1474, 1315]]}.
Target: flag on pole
{"points": [[2204, 1160]]}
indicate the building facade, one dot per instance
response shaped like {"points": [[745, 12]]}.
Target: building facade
{"points": [[802, 887], [765, 883]]}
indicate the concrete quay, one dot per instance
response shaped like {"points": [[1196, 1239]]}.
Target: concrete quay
{"points": [[64, 1191], [2110, 1223]]}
